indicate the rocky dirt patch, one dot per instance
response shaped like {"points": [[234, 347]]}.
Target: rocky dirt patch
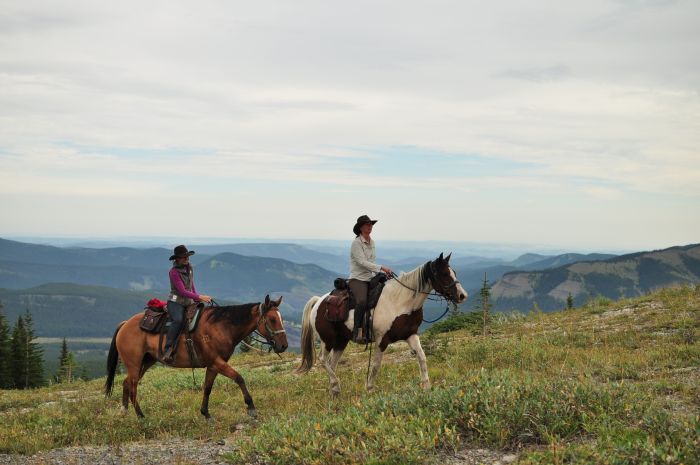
{"points": [[169, 452], [189, 451], [478, 457]]}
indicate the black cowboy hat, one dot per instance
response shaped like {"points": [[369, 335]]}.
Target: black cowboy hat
{"points": [[364, 219], [180, 252]]}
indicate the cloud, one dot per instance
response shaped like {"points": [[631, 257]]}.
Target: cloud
{"points": [[543, 74], [457, 101]]}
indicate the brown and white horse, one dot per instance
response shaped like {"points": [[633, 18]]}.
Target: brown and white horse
{"points": [[218, 332], [397, 316]]}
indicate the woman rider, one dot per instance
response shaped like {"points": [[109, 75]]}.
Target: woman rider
{"points": [[182, 294], [362, 269]]}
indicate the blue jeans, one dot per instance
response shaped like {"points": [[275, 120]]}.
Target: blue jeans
{"points": [[177, 315]]}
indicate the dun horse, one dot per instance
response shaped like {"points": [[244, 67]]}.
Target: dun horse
{"points": [[397, 316], [218, 332]]}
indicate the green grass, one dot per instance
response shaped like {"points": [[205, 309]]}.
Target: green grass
{"points": [[612, 382]]}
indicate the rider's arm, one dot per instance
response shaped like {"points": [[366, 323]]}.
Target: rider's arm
{"points": [[180, 286]]}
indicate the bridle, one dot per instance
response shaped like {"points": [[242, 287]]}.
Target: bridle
{"points": [[445, 288], [271, 332], [440, 291]]}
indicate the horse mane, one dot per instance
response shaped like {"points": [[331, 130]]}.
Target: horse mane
{"points": [[416, 279], [234, 314]]}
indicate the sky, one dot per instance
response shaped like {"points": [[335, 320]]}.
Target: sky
{"points": [[557, 123]]}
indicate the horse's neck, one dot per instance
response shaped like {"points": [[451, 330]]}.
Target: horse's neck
{"points": [[413, 292], [236, 333], [252, 324]]}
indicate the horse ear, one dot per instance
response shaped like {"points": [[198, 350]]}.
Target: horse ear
{"points": [[447, 259], [278, 302], [439, 259], [267, 300]]}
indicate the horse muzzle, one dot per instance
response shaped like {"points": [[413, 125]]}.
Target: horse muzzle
{"points": [[279, 348]]}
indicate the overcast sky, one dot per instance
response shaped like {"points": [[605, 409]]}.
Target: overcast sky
{"points": [[558, 123]]}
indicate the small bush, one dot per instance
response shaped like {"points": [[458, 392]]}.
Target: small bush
{"points": [[456, 321]]}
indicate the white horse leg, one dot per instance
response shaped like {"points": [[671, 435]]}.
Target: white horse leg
{"points": [[374, 368], [414, 343], [330, 363], [323, 354]]}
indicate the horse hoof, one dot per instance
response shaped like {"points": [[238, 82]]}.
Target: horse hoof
{"points": [[252, 413], [425, 385]]}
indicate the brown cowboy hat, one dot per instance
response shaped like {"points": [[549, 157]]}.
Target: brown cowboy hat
{"points": [[180, 252], [364, 219]]}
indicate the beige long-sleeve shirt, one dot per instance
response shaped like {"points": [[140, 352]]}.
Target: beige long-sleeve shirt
{"points": [[362, 257]]}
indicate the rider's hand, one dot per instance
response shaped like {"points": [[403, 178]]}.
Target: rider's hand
{"points": [[387, 271], [204, 298]]}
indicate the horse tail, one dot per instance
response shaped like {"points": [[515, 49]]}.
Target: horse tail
{"points": [[307, 338], [112, 362]]}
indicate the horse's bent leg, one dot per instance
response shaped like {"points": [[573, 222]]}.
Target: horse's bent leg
{"points": [[414, 343], [227, 370], [147, 363], [208, 383], [131, 383], [374, 368], [325, 353], [330, 363]]}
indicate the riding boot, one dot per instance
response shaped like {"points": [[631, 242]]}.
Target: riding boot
{"points": [[168, 352], [358, 333], [368, 326]]}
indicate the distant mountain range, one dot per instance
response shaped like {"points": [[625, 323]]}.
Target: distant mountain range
{"points": [[116, 282], [291, 252], [622, 276], [472, 276], [132, 275]]}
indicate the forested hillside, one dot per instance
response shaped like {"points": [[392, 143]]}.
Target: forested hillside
{"points": [[623, 276]]}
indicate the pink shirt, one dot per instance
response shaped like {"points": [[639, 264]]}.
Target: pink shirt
{"points": [[180, 286]]}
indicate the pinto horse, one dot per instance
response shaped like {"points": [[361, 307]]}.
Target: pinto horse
{"points": [[218, 332], [397, 316]]}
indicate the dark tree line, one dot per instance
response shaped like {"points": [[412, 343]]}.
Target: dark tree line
{"points": [[21, 360]]}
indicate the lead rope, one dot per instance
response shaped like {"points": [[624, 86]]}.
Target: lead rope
{"points": [[369, 362]]}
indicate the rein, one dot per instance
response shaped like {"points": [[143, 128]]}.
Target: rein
{"points": [[270, 331]]}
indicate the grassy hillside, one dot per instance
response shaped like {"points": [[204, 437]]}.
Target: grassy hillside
{"points": [[613, 383]]}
